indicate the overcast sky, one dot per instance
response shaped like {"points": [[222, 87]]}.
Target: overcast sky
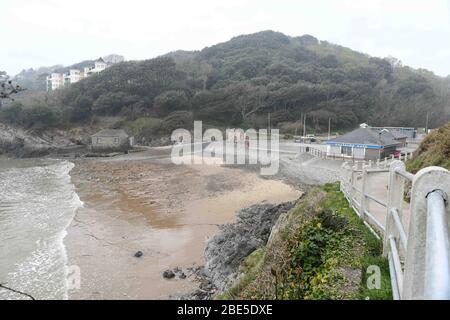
{"points": [[46, 32]]}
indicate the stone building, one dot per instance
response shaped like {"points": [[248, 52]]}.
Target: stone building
{"points": [[110, 140]]}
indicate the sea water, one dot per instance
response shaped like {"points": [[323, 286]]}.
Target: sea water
{"points": [[37, 204]]}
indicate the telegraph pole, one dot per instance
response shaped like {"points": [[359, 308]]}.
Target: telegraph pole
{"points": [[301, 121], [304, 125], [329, 128], [426, 123]]}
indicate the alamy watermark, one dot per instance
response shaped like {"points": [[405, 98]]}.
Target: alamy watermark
{"points": [[374, 279], [239, 147]]}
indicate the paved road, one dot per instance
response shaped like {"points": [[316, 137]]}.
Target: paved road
{"points": [[299, 169]]}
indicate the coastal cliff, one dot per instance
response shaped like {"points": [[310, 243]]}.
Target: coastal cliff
{"points": [[20, 143]]}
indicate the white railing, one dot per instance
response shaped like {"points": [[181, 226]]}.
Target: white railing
{"points": [[419, 251], [319, 153]]}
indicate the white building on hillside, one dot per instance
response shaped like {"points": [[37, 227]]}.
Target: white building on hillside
{"points": [[73, 76], [57, 80], [99, 66]]}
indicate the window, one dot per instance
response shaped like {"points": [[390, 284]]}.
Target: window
{"points": [[347, 151], [116, 140]]}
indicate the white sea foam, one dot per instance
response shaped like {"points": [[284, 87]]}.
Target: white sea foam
{"points": [[37, 203]]}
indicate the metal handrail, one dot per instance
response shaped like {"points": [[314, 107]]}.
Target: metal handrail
{"points": [[437, 271], [397, 264], [376, 170], [426, 254], [374, 220], [376, 200], [399, 225], [394, 282]]}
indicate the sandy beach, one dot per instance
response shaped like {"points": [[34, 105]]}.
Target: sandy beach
{"points": [[166, 211]]}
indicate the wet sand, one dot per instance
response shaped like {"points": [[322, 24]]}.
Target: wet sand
{"points": [[166, 211]]}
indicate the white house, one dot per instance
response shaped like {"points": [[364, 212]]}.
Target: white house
{"points": [[57, 80], [73, 76], [99, 66]]}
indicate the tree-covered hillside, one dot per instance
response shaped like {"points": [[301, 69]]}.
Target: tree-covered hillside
{"points": [[240, 81]]}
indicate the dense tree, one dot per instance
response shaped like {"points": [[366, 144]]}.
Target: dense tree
{"points": [[240, 81], [170, 101], [12, 114], [41, 117], [82, 108], [177, 120], [8, 89], [109, 103]]}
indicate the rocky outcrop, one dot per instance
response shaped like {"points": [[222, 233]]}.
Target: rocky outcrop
{"points": [[20, 143], [225, 252], [17, 143]]}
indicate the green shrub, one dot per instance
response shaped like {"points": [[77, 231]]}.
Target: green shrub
{"points": [[12, 114], [321, 251], [144, 125], [433, 151]]}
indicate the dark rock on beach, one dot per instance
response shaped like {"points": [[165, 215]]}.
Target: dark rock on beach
{"points": [[176, 272], [168, 274], [206, 288], [225, 252]]}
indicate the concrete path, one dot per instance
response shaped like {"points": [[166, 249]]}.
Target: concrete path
{"points": [[378, 188]]}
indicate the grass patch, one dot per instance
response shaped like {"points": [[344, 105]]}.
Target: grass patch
{"points": [[249, 267]]}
